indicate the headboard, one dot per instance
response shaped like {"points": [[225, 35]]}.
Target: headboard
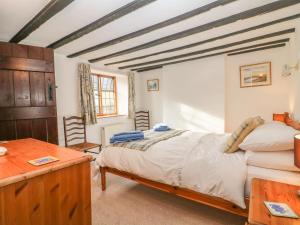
{"points": [[285, 117]]}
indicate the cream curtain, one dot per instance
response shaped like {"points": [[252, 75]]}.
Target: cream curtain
{"points": [[131, 95], [87, 98]]}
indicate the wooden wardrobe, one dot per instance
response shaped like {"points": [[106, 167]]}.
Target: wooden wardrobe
{"points": [[27, 93]]}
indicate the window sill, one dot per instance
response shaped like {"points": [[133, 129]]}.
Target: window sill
{"points": [[110, 116]]}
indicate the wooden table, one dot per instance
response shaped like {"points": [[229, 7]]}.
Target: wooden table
{"points": [[264, 190], [58, 193]]}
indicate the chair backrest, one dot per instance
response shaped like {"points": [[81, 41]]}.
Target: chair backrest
{"points": [[142, 120], [75, 130]]}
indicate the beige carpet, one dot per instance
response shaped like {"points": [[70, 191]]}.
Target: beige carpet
{"points": [[128, 203]]}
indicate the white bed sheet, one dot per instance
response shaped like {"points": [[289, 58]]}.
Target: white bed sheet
{"points": [[159, 162], [192, 160], [280, 160], [270, 174]]}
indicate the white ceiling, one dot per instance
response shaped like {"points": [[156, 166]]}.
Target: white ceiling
{"points": [[14, 14]]}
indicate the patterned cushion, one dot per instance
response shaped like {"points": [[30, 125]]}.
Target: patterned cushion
{"points": [[241, 133]]}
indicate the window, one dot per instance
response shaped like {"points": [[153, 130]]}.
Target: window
{"points": [[105, 95]]}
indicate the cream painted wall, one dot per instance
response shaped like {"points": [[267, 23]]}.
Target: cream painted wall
{"points": [[282, 96], [206, 94], [150, 100], [295, 58], [242, 103], [67, 93], [191, 95], [68, 98]]}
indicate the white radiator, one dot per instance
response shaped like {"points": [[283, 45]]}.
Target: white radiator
{"points": [[107, 131]]}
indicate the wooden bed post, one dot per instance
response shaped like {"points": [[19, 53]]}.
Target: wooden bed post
{"points": [[103, 178]]}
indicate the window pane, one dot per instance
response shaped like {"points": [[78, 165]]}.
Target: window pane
{"points": [[95, 84], [105, 95], [103, 83], [109, 85], [112, 85], [105, 101]]}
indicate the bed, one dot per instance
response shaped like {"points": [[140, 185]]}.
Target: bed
{"points": [[191, 165]]}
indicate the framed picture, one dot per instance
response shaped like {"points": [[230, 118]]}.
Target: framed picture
{"points": [[153, 85], [256, 75]]}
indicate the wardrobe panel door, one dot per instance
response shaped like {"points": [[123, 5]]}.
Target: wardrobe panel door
{"points": [[27, 93], [5, 49], [7, 130], [39, 129], [20, 51], [7, 88], [37, 89], [52, 130], [22, 89], [50, 89], [48, 54], [24, 129], [35, 52]]}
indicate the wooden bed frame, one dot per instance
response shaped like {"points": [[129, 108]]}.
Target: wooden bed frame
{"points": [[212, 201]]}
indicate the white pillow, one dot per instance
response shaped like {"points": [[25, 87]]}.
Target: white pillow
{"points": [[280, 160], [273, 136]]}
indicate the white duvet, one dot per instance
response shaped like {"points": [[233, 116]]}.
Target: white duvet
{"points": [[192, 160]]}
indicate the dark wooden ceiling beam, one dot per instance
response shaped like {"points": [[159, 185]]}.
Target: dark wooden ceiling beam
{"points": [[124, 10], [257, 49], [277, 44], [157, 26], [275, 34], [149, 68], [208, 40], [221, 22], [237, 53], [52, 8]]}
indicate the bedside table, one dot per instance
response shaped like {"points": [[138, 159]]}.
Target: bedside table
{"points": [[265, 190]]}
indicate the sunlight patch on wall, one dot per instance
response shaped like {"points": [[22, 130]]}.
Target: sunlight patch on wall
{"points": [[196, 119]]}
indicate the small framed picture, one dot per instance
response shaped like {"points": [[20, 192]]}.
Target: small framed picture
{"points": [[256, 75], [153, 85]]}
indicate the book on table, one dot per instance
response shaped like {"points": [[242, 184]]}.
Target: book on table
{"points": [[43, 160], [280, 209]]}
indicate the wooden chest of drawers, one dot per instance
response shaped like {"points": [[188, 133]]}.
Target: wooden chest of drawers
{"points": [[54, 194]]}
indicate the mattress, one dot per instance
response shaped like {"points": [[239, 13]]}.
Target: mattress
{"points": [[280, 160], [270, 174]]}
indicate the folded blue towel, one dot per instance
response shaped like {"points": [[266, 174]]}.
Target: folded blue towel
{"points": [[161, 127], [127, 133], [115, 141], [126, 137]]}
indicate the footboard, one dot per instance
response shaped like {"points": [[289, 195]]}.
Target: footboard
{"points": [[212, 201]]}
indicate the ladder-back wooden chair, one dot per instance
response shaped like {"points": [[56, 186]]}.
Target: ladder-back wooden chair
{"points": [[142, 120], [75, 135]]}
